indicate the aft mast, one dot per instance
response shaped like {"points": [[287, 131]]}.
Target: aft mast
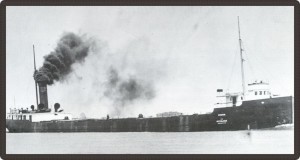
{"points": [[242, 60], [36, 93]]}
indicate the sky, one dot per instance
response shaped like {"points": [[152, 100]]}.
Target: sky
{"points": [[183, 53]]}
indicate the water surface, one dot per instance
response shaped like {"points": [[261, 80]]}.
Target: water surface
{"points": [[227, 142]]}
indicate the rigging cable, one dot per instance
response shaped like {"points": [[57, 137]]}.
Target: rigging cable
{"points": [[265, 71], [229, 81], [249, 64]]}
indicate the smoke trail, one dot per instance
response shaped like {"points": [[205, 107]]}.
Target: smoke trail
{"points": [[123, 91], [71, 48]]}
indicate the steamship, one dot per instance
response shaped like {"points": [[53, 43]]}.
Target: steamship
{"points": [[253, 108]]}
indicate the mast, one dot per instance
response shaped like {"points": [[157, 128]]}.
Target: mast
{"points": [[242, 60], [36, 93]]}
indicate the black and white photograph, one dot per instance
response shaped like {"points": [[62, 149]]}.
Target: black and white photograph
{"points": [[149, 80]]}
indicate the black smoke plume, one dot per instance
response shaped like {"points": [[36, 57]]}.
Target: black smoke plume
{"points": [[123, 91], [70, 49]]}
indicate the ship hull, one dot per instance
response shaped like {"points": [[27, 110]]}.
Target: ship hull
{"points": [[255, 114]]}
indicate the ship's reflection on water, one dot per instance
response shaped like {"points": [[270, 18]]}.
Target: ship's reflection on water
{"points": [[228, 142]]}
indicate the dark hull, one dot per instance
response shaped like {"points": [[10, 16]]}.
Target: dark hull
{"points": [[256, 114]]}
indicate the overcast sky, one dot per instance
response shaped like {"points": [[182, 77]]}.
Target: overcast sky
{"points": [[186, 53]]}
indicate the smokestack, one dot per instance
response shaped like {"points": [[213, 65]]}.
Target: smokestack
{"points": [[43, 94]]}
